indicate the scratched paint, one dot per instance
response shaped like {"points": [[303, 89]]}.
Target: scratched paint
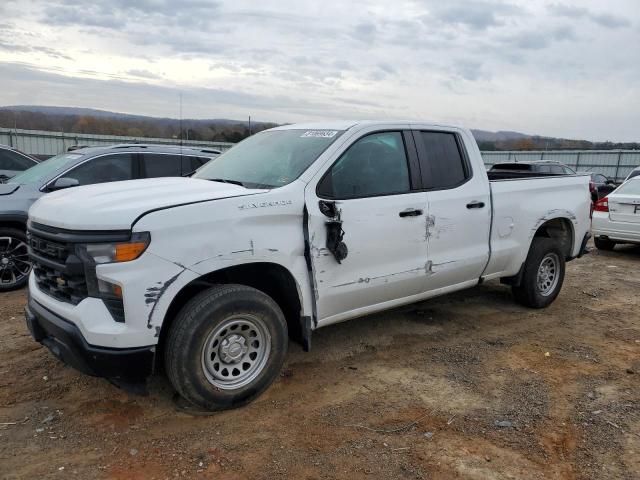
{"points": [[445, 225], [430, 222], [429, 268], [550, 215], [154, 294]]}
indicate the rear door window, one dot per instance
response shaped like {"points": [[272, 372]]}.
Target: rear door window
{"points": [[442, 163], [557, 170], [160, 165], [10, 160], [108, 168]]}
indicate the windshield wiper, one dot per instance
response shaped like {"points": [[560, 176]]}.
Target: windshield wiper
{"points": [[225, 180]]}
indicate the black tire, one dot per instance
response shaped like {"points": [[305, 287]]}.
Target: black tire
{"points": [[192, 336], [530, 293], [604, 243], [13, 259]]}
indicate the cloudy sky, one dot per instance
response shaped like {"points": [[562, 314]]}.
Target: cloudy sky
{"points": [[559, 68]]}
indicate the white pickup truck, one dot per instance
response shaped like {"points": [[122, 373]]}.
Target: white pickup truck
{"points": [[293, 229]]}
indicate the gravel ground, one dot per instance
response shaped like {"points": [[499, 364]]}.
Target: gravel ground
{"points": [[467, 386]]}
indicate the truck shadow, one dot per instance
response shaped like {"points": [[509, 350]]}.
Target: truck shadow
{"points": [[632, 251]]}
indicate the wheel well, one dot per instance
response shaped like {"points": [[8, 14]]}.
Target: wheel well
{"points": [[561, 230], [270, 278]]}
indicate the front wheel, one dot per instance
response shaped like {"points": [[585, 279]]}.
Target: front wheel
{"points": [[226, 346], [543, 274], [14, 259]]}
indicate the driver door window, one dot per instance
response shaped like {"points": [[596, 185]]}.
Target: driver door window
{"points": [[373, 166], [109, 168]]}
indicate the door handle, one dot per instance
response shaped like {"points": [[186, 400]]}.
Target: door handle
{"points": [[475, 204], [410, 212]]}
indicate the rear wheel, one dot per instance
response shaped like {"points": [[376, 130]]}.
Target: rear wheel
{"points": [[226, 346], [14, 259], [543, 274], [604, 243]]}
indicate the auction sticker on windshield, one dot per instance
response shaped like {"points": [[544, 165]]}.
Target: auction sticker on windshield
{"points": [[319, 133]]}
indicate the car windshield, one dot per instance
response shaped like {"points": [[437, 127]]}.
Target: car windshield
{"points": [[269, 159], [43, 170], [630, 187]]}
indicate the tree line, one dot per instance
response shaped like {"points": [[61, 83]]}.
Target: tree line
{"points": [[547, 143], [206, 130]]}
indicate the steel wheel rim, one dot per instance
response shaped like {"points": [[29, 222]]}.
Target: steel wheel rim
{"points": [[236, 351], [548, 274], [14, 261]]}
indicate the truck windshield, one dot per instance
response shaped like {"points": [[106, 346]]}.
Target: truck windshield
{"points": [[269, 159], [43, 170]]}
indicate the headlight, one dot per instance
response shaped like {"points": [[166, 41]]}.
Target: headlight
{"points": [[118, 252], [92, 254]]}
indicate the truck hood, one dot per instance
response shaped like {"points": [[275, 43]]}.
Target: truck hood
{"points": [[116, 205]]}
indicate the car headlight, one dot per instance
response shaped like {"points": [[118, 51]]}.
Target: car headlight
{"points": [[120, 251], [93, 254]]}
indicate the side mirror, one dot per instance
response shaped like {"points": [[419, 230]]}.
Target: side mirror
{"points": [[63, 182]]}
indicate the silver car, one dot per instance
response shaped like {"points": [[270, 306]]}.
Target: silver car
{"points": [[84, 166], [616, 217]]}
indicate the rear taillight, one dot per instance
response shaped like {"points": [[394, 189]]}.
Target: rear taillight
{"points": [[602, 205]]}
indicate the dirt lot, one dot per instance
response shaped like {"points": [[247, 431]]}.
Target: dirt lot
{"points": [[466, 386]]}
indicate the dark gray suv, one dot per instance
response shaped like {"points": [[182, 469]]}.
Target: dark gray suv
{"points": [[84, 166]]}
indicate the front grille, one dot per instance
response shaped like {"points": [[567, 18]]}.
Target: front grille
{"points": [[58, 271]]}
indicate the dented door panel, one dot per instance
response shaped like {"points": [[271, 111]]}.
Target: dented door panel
{"points": [[386, 253], [459, 219]]}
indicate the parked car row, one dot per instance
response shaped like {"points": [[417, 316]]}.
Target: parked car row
{"points": [[84, 166]]}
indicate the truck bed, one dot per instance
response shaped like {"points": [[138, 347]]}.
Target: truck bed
{"points": [[518, 174], [520, 205]]}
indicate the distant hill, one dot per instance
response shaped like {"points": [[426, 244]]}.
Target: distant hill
{"points": [[501, 136], [89, 120], [92, 112]]}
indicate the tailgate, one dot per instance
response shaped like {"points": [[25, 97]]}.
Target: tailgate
{"points": [[624, 209]]}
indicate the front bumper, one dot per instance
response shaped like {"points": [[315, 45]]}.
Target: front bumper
{"points": [[126, 367]]}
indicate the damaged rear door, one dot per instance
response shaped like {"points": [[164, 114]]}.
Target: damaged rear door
{"points": [[366, 226], [459, 200]]}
